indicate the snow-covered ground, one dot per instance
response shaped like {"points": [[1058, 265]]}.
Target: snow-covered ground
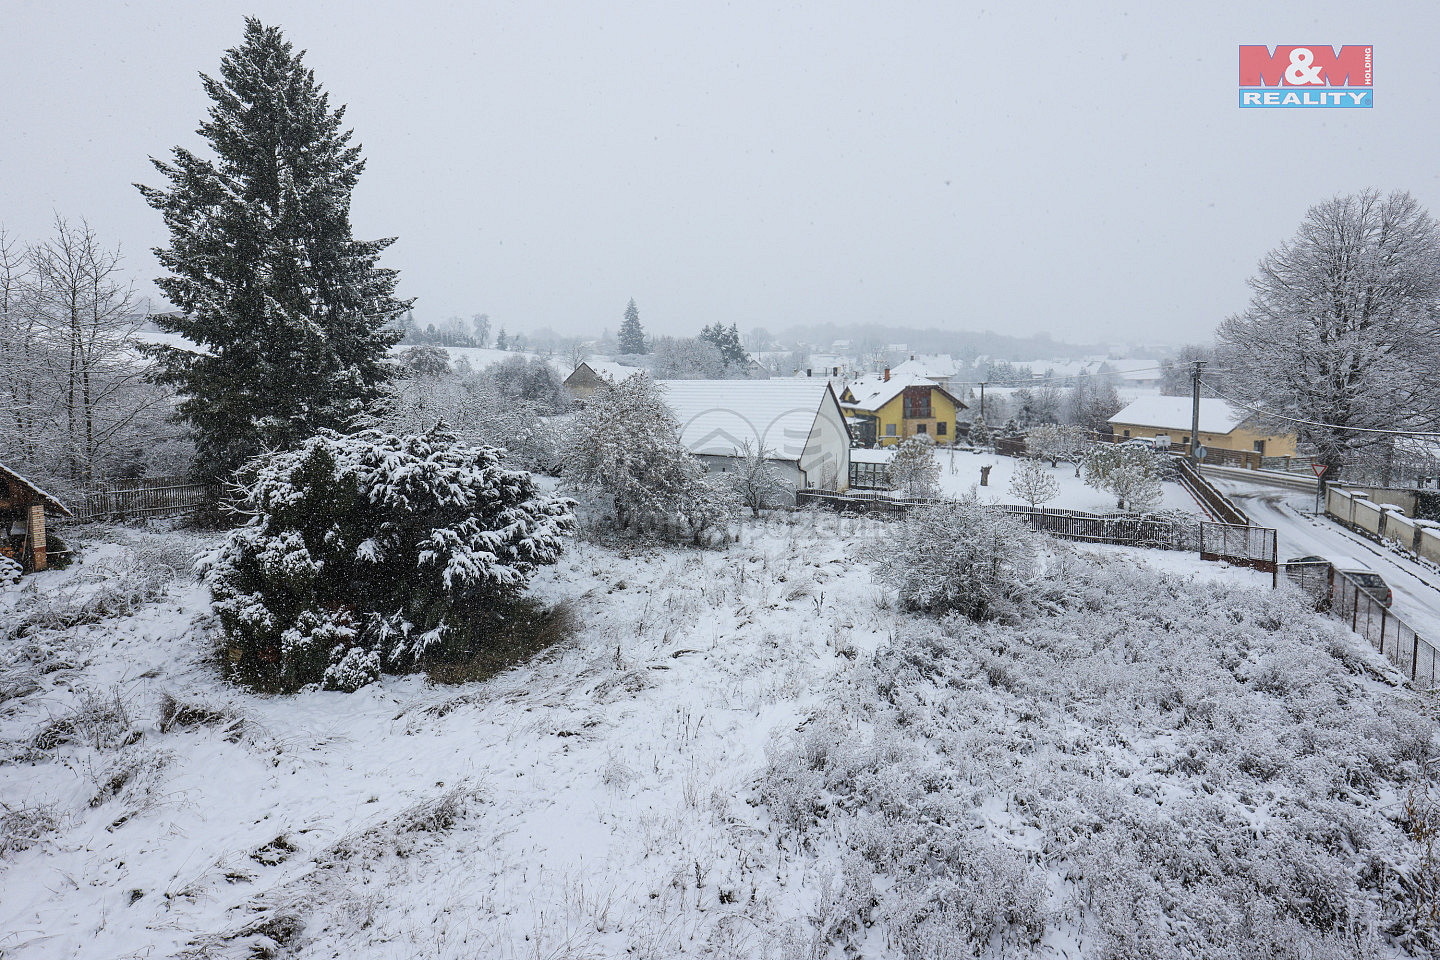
{"points": [[960, 470], [696, 771]]}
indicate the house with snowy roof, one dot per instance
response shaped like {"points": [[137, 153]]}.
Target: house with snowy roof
{"points": [[23, 507], [886, 409], [1222, 425], [591, 375], [797, 423], [939, 367]]}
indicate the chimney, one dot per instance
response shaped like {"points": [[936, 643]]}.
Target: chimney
{"points": [[807, 372], [834, 371], [887, 374]]}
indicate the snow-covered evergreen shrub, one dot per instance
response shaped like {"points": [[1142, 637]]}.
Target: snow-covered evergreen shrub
{"points": [[913, 469], [9, 572], [407, 548], [959, 557]]}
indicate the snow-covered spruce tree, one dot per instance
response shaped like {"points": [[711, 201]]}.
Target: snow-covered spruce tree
{"points": [[632, 335], [377, 551], [1131, 474], [913, 469], [625, 462], [1034, 484], [290, 313], [979, 431], [959, 557]]}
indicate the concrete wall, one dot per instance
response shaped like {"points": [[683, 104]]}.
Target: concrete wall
{"points": [[1367, 516], [1340, 504], [1429, 542], [1399, 528]]}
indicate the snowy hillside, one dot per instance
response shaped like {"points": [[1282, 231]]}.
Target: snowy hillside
{"points": [[738, 753]]}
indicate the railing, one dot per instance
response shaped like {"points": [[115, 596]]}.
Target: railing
{"points": [[1346, 600], [139, 499], [1215, 503]]}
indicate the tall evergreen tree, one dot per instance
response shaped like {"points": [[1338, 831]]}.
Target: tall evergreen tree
{"points": [[632, 335], [732, 352], [290, 312]]}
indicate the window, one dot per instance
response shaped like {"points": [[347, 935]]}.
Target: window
{"points": [[1185, 439], [920, 428], [1127, 433], [889, 429], [916, 403], [940, 428], [1260, 447]]}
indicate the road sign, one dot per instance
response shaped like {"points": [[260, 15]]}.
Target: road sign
{"points": [[1200, 453], [1319, 468]]}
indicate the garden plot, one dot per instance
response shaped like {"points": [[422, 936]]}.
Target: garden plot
{"points": [[960, 470], [696, 770]]}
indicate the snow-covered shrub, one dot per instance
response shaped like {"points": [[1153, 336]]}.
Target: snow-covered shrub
{"points": [[1034, 484], [913, 469], [9, 572], [756, 483], [1131, 474], [408, 548], [25, 825], [625, 462], [958, 557]]}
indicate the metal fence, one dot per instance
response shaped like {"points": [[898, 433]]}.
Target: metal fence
{"points": [[1241, 545], [1215, 503], [1392, 636], [1125, 529], [139, 499]]}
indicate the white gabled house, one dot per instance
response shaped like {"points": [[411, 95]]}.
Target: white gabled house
{"points": [[798, 423]]}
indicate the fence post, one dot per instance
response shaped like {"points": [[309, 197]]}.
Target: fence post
{"points": [[1355, 610], [1415, 657], [1383, 614]]}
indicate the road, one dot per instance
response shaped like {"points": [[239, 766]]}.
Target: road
{"points": [[1416, 587]]}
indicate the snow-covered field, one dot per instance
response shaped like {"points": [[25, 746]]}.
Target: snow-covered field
{"points": [[739, 753], [960, 470]]}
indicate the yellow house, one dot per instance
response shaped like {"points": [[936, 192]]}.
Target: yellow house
{"points": [[1221, 426], [888, 409]]}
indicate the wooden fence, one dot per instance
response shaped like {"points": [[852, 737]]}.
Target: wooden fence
{"points": [[1125, 529], [140, 499]]}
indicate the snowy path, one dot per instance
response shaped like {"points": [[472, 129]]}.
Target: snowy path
{"points": [[1416, 587]]}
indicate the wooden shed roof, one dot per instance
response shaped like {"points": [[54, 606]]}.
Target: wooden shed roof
{"points": [[49, 499]]}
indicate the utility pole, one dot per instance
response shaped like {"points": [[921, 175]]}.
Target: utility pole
{"points": [[982, 398], [1195, 412]]}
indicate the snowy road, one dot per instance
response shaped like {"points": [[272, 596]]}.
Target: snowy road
{"points": [[1416, 587]]}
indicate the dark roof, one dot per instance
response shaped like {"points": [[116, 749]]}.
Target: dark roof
{"points": [[49, 499]]}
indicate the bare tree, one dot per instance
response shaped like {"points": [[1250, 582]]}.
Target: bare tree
{"points": [[20, 352], [86, 313], [1034, 484], [1343, 328], [756, 482], [1056, 443]]}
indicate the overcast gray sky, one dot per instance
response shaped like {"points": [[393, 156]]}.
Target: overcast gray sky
{"points": [[1077, 169]]}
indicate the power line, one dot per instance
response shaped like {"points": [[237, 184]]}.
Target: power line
{"points": [[1328, 426]]}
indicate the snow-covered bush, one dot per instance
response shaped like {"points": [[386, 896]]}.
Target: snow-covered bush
{"points": [[1131, 474], [408, 548], [9, 572], [959, 557], [1034, 484], [913, 469], [1056, 442], [756, 483], [625, 462]]}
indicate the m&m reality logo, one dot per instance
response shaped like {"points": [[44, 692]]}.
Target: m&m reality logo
{"points": [[1306, 76]]}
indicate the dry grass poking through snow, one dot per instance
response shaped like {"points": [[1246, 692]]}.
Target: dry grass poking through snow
{"points": [[1156, 769]]}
